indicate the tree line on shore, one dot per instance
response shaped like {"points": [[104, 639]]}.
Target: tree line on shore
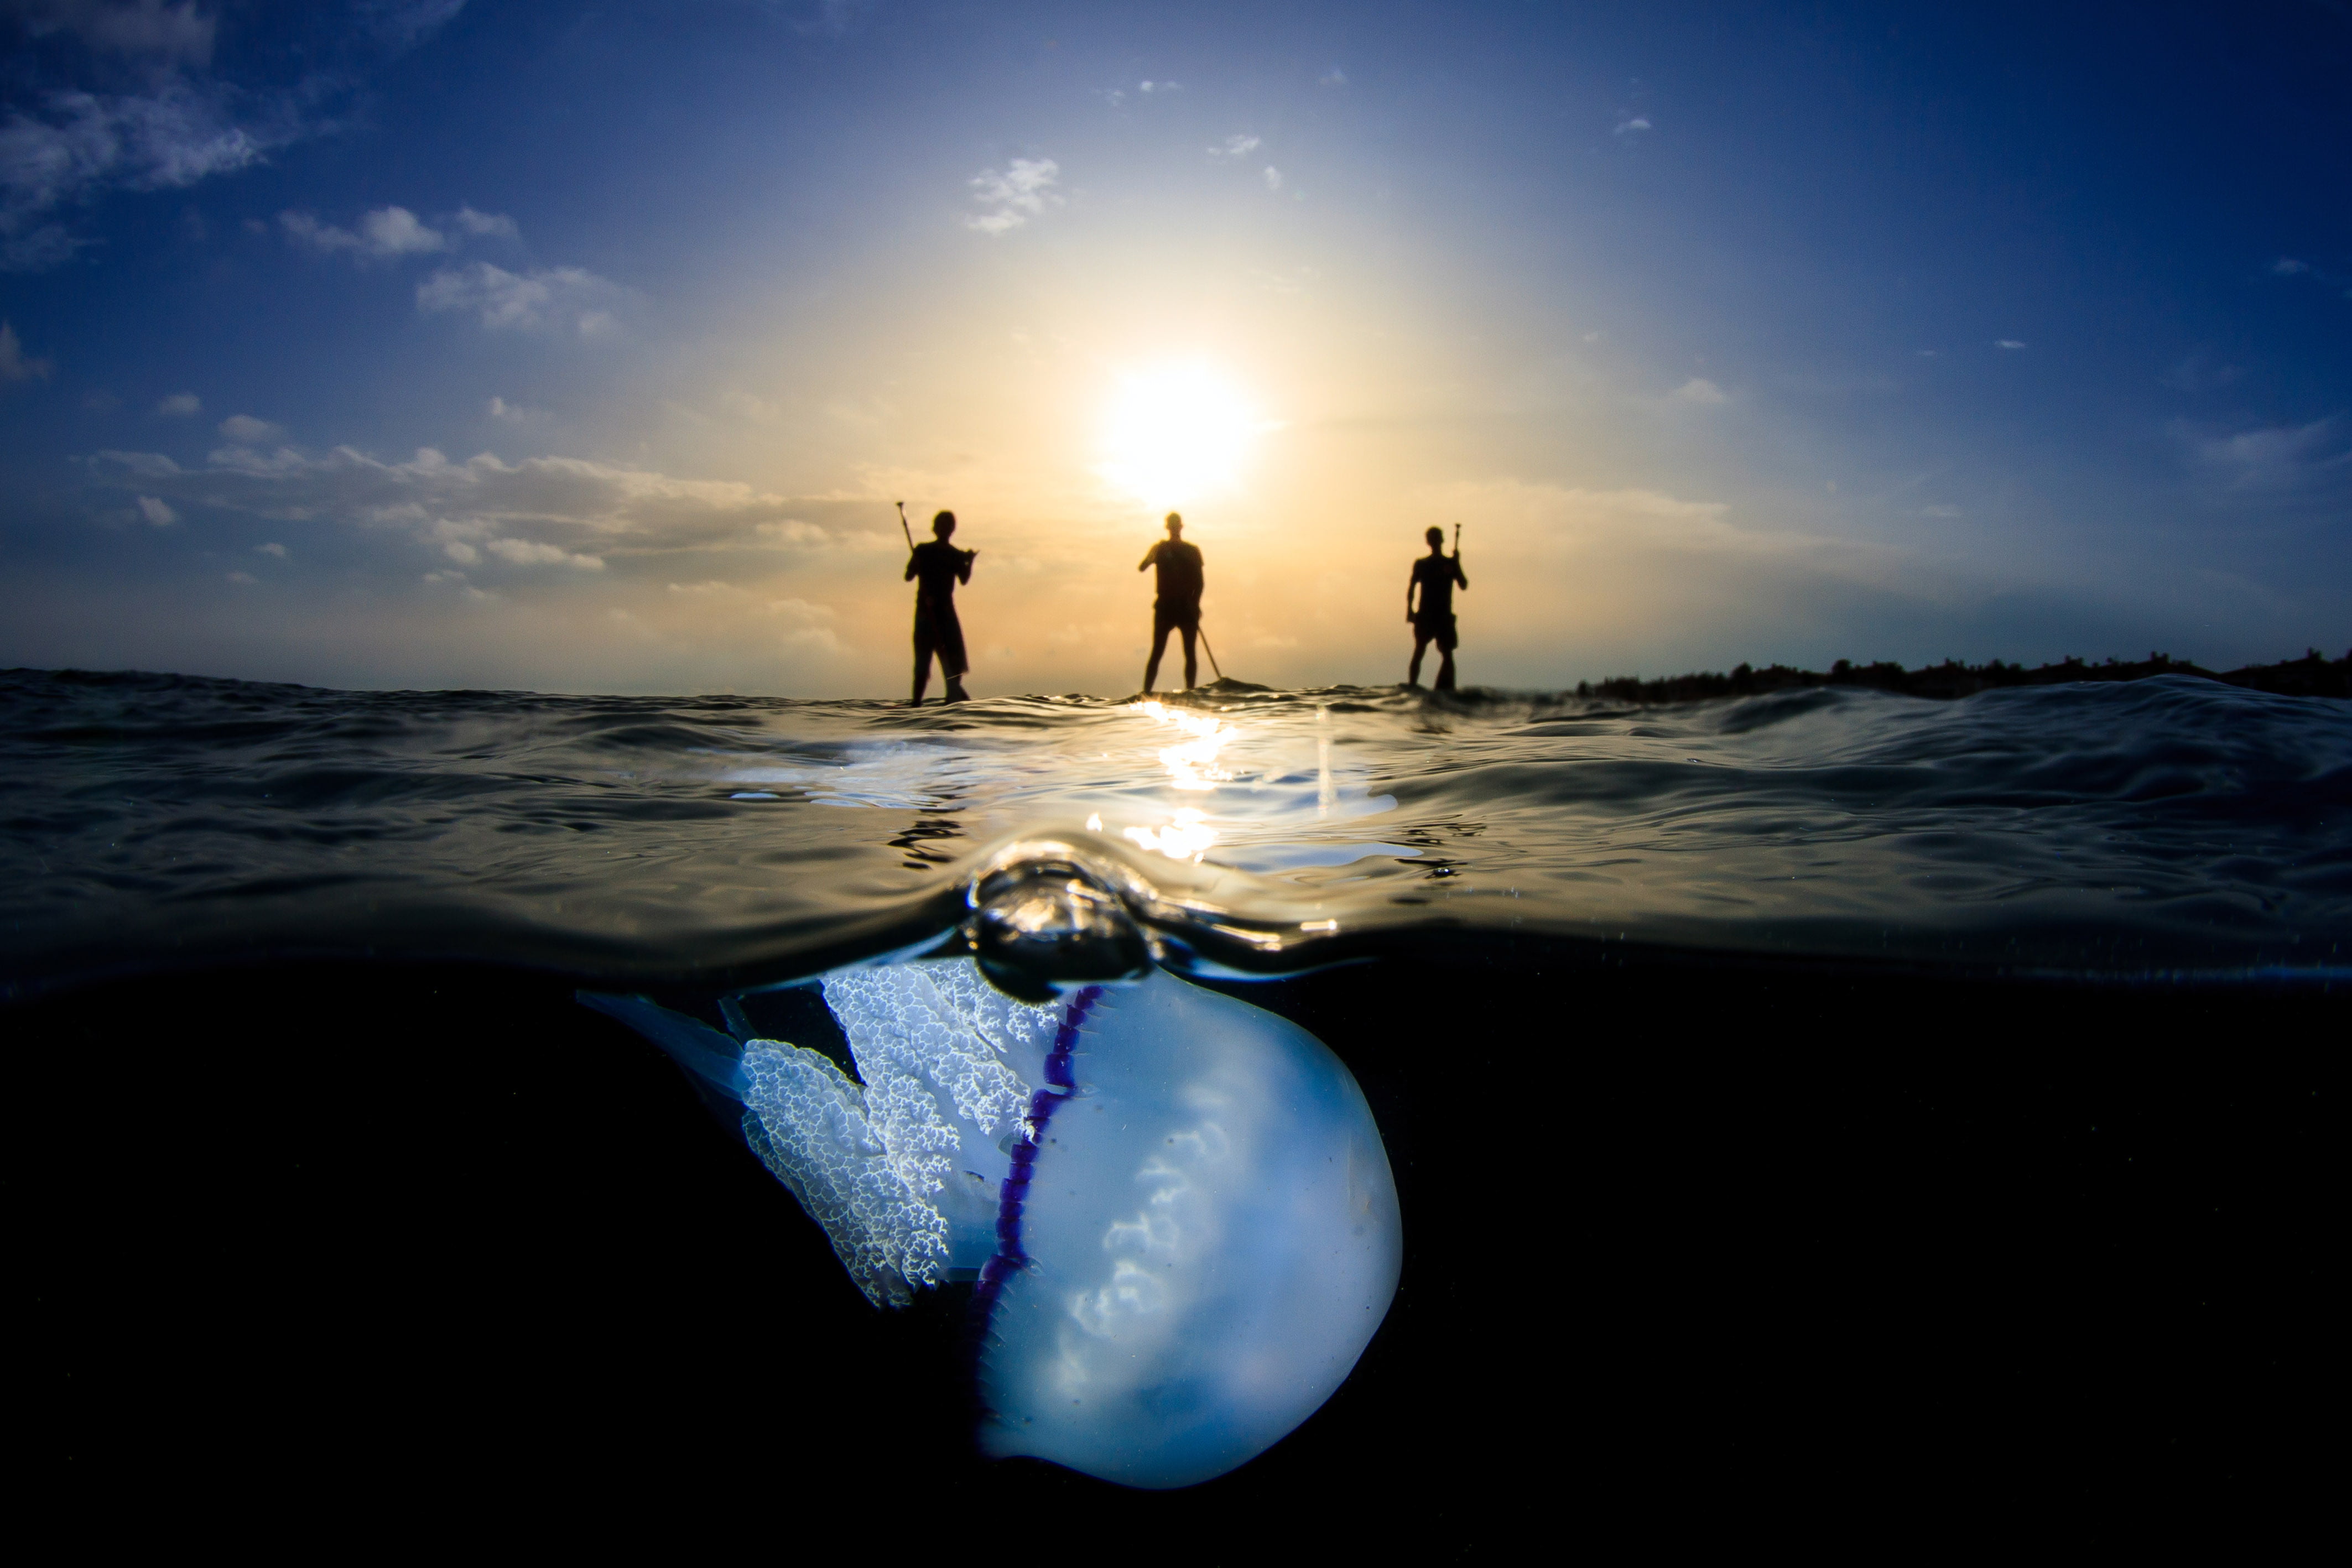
{"points": [[2313, 675]]}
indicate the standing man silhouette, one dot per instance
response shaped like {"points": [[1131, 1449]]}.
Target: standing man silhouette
{"points": [[1178, 607], [936, 566], [1434, 575]]}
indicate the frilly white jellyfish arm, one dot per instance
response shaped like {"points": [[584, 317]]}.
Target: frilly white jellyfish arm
{"points": [[902, 1170]]}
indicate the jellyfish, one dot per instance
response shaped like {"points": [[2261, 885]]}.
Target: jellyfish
{"points": [[1175, 1208]]}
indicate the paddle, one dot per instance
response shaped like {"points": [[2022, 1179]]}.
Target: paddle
{"points": [[910, 532]]}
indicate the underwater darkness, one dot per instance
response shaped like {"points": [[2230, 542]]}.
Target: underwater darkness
{"points": [[1691, 1247]]}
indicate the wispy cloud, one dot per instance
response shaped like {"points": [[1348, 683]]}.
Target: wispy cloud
{"points": [[76, 137], [1631, 125], [2274, 458], [542, 299], [540, 511], [1334, 77], [383, 235], [2006, 343], [157, 512], [1023, 190], [1699, 390], [14, 364], [2198, 372], [1273, 178], [180, 405], [247, 430], [1236, 146], [484, 224], [2287, 266], [138, 28]]}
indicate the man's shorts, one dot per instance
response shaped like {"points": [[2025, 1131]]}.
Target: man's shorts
{"points": [[937, 630], [1435, 628], [1166, 618]]}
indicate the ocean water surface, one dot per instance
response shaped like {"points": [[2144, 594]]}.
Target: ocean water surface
{"points": [[2163, 826]]}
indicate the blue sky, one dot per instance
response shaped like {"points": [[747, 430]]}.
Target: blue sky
{"points": [[586, 347]]}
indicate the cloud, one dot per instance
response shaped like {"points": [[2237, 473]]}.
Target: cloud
{"points": [[542, 299], [528, 552], [506, 413], [243, 577], [1149, 87], [404, 24], [2287, 266], [484, 224], [180, 406], [69, 141], [1024, 190], [247, 430], [157, 513], [147, 28], [83, 142], [1631, 125], [2006, 343], [2276, 458], [1334, 77], [540, 511], [1236, 146], [275, 549], [2199, 373], [1699, 390], [1273, 178], [830, 18], [383, 235], [14, 365], [1939, 511]]}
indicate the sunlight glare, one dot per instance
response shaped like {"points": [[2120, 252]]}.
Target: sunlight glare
{"points": [[1176, 433]]}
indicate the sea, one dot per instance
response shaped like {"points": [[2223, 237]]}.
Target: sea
{"points": [[1801, 1104]]}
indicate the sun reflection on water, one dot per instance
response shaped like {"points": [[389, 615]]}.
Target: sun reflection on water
{"points": [[1192, 766]]}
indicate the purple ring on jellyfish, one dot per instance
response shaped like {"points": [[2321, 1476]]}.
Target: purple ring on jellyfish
{"points": [[1176, 1208]]}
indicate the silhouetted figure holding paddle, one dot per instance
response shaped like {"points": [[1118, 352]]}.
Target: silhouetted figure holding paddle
{"points": [[1178, 608], [935, 567], [1435, 575]]}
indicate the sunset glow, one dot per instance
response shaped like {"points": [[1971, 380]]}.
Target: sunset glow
{"points": [[1177, 433]]}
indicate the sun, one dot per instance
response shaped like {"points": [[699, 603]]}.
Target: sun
{"points": [[1174, 433]]}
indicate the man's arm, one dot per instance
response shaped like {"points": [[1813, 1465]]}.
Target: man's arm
{"points": [[1149, 557], [911, 567], [1411, 583], [963, 567], [1457, 570]]}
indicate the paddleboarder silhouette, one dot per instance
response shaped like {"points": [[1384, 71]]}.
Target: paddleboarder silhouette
{"points": [[935, 567], [1177, 606], [1435, 575]]}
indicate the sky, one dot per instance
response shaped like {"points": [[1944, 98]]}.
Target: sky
{"points": [[589, 346]]}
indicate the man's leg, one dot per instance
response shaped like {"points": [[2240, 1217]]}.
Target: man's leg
{"points": [[1192, 660], [1420, 646], [922, 671], [1445, 663], [1158, 646]]}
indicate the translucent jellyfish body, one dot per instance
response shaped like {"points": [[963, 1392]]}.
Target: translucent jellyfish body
{"points": [[1176, 1206]]}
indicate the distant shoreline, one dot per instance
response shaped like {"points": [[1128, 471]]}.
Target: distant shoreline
{"points": [[2313, 675]]}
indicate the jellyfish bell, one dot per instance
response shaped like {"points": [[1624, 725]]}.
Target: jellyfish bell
{"points": [[1176, 1208]]}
